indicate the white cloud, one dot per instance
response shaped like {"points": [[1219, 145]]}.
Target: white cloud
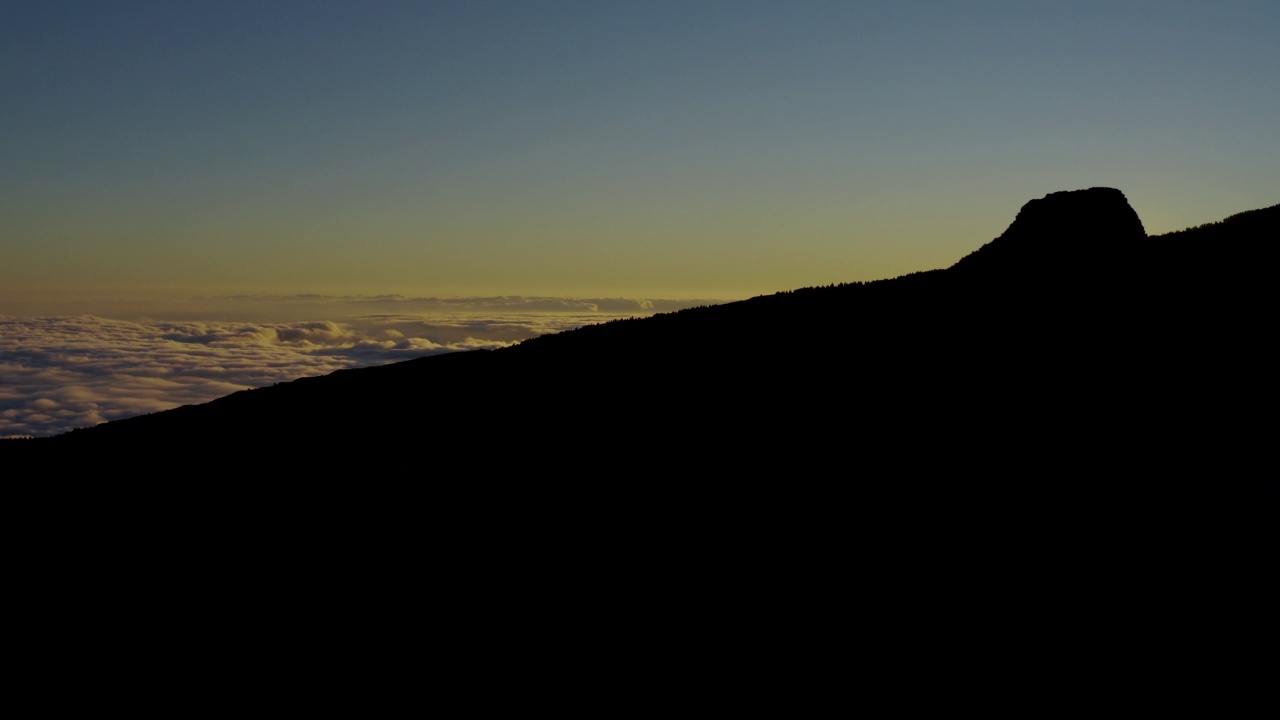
{"points": [[60, 373]]}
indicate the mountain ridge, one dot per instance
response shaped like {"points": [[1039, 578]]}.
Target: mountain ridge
{"points": [[955, 402]]}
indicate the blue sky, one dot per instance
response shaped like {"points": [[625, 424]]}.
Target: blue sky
{"points": [[651, 149]]}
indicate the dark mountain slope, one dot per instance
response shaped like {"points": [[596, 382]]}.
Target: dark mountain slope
{"points": [[1072, 392]]}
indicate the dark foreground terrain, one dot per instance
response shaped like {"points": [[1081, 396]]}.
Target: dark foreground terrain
{"points": [[1072, 411]]}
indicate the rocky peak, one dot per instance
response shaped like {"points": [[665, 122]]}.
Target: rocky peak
{"points": [[1060, 234]]}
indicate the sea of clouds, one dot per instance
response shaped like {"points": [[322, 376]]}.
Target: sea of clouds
{"points": [[62, 372]]}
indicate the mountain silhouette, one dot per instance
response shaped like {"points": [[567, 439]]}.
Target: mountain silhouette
{"points": [[1076, 233], [1073, 394]]}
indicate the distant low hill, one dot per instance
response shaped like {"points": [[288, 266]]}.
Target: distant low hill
{"points": [[1074, 392]]}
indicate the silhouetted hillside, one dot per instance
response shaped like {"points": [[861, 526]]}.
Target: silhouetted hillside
{"points": [[1074, 394]]}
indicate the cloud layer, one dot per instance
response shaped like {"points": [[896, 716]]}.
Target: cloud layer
{"points": [[64, 372]]}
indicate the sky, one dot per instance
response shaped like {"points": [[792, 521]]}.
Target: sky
{"points": [[235, 161]]}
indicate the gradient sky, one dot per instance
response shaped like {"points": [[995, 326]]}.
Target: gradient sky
{"points": [[639, 149]]}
